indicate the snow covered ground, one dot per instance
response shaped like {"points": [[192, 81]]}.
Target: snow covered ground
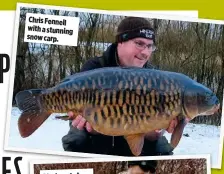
{"points": [[202, 139]]}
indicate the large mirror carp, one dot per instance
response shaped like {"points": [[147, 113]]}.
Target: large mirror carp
{"points": [[120, 101]]}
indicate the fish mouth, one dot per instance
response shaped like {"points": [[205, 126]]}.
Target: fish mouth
{"points": [[212, 111]]}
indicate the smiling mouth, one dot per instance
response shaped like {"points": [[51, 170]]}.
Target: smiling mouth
{"points": [[139, 58]]}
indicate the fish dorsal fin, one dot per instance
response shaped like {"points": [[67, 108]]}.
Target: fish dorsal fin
{"points": [[177, 133], [135, 143]]}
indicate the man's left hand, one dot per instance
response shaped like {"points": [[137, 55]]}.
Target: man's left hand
{"points": [[155, 135]]}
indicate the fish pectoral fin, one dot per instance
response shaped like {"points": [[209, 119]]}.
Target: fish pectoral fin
{"points": [[177, 133], [135, 143], [29, 122], [64, 117], [67, 117]]}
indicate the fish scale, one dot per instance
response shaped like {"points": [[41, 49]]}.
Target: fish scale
{"points": [[114, 97]]}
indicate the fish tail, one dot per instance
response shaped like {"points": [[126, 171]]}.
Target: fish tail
{"points": [[33, 112]]}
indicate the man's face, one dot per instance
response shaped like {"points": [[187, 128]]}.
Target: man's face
{"points": [[136, 170], [135, 52]]}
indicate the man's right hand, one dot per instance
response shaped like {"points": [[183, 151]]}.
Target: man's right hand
{"points": [[79, 122]]}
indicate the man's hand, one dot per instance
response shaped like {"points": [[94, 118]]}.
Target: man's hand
{"points": [[158, 133], [79, 122], [172, 126], [155, 135]]}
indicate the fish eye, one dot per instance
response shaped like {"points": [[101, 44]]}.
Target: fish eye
{"points": [[207, 95]]}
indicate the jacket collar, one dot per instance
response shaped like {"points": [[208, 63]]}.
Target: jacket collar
{"points": [[110, 55]]}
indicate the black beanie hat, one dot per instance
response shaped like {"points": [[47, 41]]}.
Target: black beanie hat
{"points": [[132, 27]]}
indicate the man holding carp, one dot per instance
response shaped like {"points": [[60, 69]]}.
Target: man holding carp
{"points": [[135, 43]]}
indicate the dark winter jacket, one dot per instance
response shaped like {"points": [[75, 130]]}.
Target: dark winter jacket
{"points": [[83, 141]]}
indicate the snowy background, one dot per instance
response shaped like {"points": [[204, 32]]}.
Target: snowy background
{"points": [[202, 139]]}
